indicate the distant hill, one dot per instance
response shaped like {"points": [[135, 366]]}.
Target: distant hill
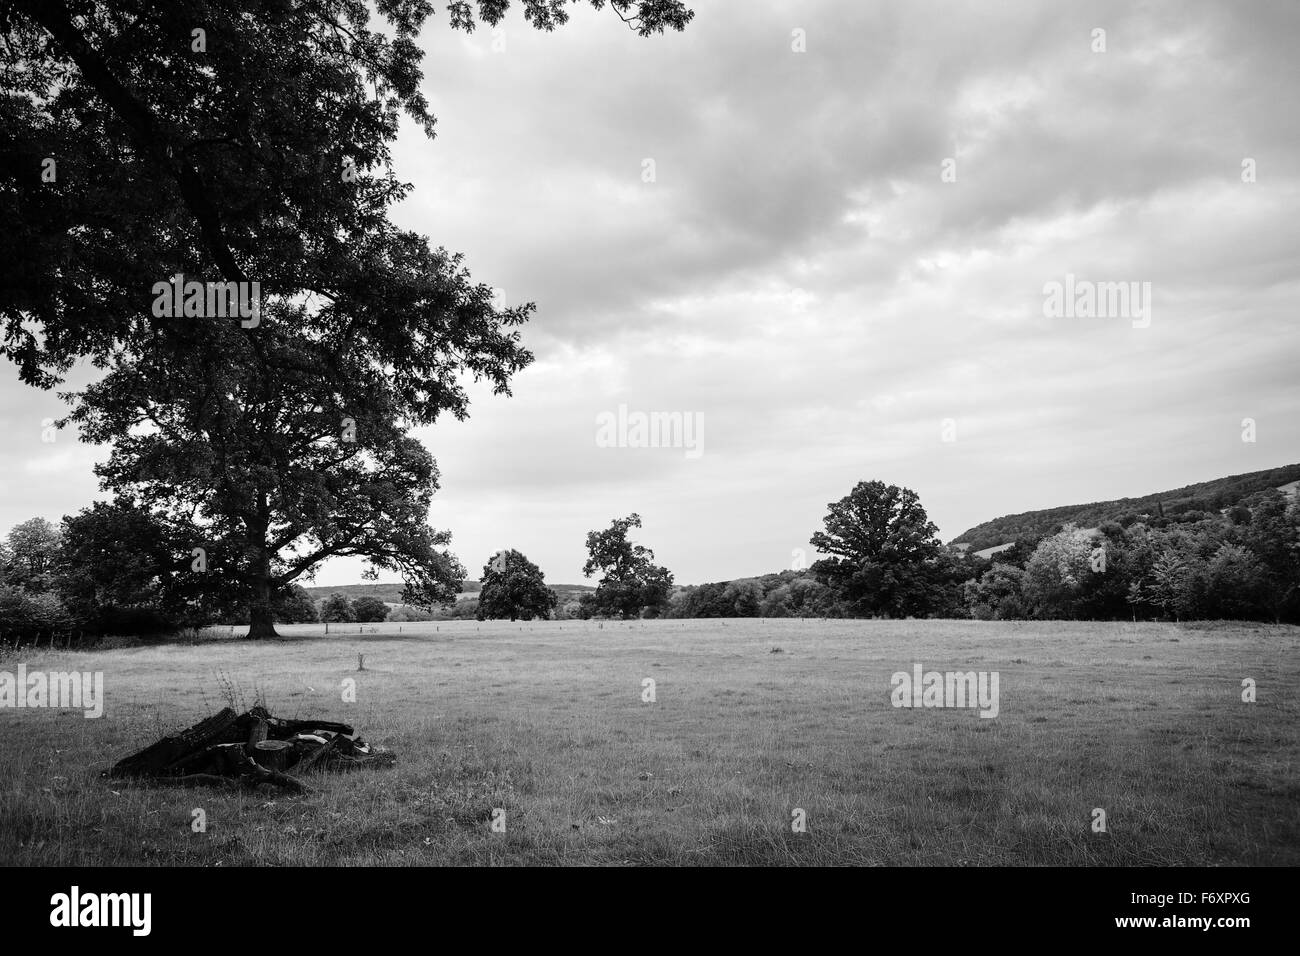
{"points": [[1205, 496], [389, 593], [392, 593]]}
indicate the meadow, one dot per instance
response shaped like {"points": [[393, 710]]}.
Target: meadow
{"points": [[752, 721]]}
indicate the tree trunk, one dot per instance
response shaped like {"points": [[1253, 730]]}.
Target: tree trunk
{"points": [[261, 612], [261, 620]]}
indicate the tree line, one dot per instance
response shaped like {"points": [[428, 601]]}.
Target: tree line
{"points": [[119, 568], [1241, 563], [882, 558], [116, 567]]}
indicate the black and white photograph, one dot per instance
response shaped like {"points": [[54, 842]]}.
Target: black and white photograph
{"points": [[570, 434]]}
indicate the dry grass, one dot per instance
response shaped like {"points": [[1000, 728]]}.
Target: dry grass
{"points": [[546, 721]]}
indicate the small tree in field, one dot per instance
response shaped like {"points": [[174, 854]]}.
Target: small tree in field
{"points": [[337, 609], [369, 610], [631, 583], [514, 587]]}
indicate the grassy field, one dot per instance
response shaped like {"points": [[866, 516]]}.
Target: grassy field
{"points": [[547, 722]]}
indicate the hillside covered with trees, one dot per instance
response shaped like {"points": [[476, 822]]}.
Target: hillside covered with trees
{"points": [[1188, 503], [115, 568], [1241, 562]]}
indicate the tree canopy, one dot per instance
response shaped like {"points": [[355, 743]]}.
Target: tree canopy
{"points": [[882, 548], [369, 610], [244, 140], [514, 587], [32, 546], [336, 609], [631, 583]]}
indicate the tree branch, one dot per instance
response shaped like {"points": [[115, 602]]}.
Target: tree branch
{"points": [[143, 125]]}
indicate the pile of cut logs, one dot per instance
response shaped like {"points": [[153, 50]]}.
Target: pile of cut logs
{"points": [[251, 749]]}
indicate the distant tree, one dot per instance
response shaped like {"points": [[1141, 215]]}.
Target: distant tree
{"points": [[744, 598], [33, 545], [26, 616], [1273, 535], [811, 598], [1104, 592], [1164, 566], [465, 609], [1237, 584], [296, 606], [883, 547], [568, 611], [404, 612], [118, 568], [702, 601], [514, 587], [631, 583], [1138, 548], [776, 602], [369, 610], [1020, 551], [948, 574], [998, 595], [1174, 584], [337, 609], [1058, 571]]}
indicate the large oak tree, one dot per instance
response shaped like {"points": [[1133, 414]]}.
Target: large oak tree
{"points": [[248, 142], [631, 583], [883, 549]]}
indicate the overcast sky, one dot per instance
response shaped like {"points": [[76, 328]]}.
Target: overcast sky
{"points": [[802, 282]]}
